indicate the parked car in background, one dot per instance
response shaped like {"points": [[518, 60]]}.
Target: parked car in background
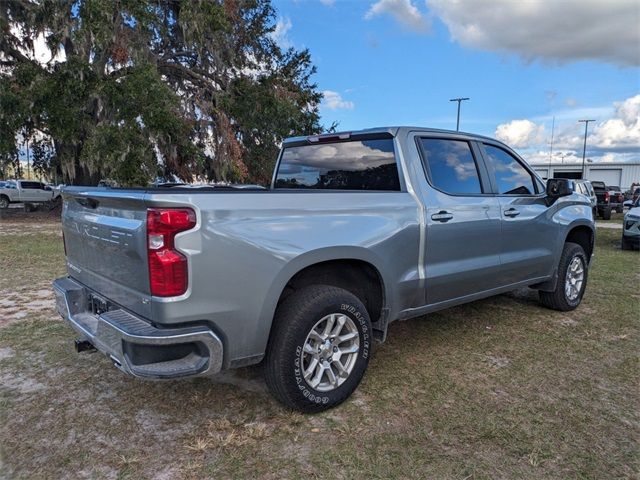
{"points": [[584, 187], [631, 227], [617, 198], [633, 196], [26, 191], [358, 229], [603, 196]]}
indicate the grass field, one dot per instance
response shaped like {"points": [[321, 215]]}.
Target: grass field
{"points": [[499, 388]]}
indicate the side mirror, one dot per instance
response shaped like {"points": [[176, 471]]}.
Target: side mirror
{"points": [[559, 187], [47, 188]]}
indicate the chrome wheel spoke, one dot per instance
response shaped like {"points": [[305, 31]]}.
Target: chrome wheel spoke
{"points": [[331, 319], [311, 368], [315, 381], [309, 349], [339, 324], [332, 377], [351, 349], [315, 336], [346, 337]]}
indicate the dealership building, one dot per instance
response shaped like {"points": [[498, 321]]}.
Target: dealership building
{"points": [[621, 174]]}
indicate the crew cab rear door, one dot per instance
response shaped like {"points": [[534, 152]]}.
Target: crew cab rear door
{"points": [[528, 236], [462, 250]]}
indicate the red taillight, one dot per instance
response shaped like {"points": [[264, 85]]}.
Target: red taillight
{"points": [[168, 272], [606, 196]]}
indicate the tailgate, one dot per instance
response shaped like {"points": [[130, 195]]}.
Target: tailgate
{"points": [[106, 247]]}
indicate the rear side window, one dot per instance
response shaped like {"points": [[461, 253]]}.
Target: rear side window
{"points": [[31, 185], [352, 165], [511, 177], [450, 165]]}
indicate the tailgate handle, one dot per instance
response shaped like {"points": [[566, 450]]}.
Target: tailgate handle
{"points": [[88, 202]]}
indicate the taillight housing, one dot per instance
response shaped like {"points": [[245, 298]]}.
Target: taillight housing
{"points": [[606, 196], [168, 269]]}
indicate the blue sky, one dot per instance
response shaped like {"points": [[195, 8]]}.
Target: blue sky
{"points": [[395, 62]]}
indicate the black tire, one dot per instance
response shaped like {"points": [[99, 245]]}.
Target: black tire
{"points": [[4, 202], [625, 244], [558, 300], [293, 322], [606, 213], [619, 210]]}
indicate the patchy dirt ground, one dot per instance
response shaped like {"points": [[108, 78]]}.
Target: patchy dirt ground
{"points": [[500, 388]]}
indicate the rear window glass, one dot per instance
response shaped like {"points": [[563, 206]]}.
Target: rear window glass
{"points": [[451, 165], [352, 165]]}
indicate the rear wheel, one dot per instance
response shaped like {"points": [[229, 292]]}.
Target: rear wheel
{"points": [[606, 213], [319, 348], [572, 280]]}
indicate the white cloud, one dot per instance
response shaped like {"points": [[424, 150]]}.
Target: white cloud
{"points": [[520, 133], [547, 29], [328, 3], [334, 101], [616, 138], [623, 131], [403, 11], [280, 34]]}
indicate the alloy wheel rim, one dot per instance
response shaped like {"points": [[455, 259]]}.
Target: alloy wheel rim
{"points": [[574, 279], [330, 352]]}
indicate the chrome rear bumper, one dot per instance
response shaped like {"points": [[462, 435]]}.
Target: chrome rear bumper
{"points": [[135, 346]]}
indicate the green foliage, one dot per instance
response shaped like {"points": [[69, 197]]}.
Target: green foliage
{"points": [[141, 88]]}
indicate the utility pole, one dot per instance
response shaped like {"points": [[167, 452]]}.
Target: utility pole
{"points": [[584, 147], [459, 100]]}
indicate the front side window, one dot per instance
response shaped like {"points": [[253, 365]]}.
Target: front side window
{"points": [[351, 165], [511, 177], [450, 165]]}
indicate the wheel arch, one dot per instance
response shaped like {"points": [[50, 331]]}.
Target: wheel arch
{"points": [[583, 235], [357, 270]]}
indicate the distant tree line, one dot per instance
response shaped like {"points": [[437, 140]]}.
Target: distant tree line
{"points": [[132, 90]]}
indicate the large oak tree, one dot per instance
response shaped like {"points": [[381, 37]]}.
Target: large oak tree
{"points": [[136, 89]]}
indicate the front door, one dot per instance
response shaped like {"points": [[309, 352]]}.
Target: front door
{"points": [[462, 254], [528, 237]]}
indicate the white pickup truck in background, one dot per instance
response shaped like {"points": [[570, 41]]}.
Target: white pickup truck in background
{"points": [[26, 191]]}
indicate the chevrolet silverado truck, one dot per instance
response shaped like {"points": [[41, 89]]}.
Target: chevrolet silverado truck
{"points": [[357, 230]]}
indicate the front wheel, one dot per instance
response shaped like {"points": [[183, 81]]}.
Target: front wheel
{"points": [[319, 348], [572, 280], [4, 202]]}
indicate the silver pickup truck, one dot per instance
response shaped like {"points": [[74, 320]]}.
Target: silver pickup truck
{"points": [[357, 230]]}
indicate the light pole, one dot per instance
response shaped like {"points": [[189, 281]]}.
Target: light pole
{"points": [[459, 100], [584, 146]]}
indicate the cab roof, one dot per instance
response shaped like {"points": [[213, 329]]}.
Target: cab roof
{"points": [[391, 131]]}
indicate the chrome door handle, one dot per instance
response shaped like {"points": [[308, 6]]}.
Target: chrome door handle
{"points": [[512, 212], [442, 216]]}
